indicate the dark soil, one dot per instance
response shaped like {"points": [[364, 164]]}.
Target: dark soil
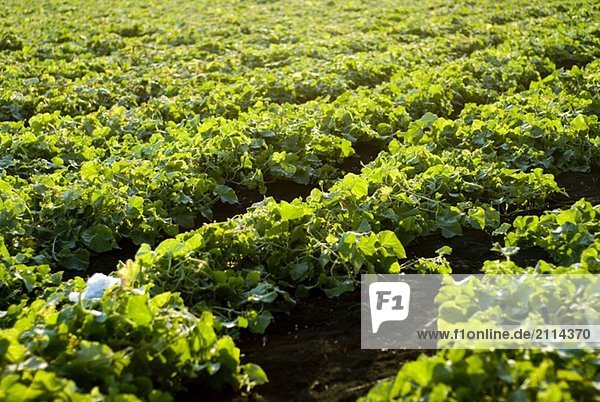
{"points": [[365, 152], [108, 262], [468, 251], [313, 355], [577, 185]]}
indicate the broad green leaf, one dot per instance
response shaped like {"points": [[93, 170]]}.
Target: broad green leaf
{"points": [[388, 239], [256, 373], [299, 270], [367, 244], [579, 123], [226, 194], [76, 260], [290, 211], [99, 238], [138, 310]]}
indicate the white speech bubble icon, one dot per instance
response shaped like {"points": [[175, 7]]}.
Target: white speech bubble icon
{"points": [[388, 301]]}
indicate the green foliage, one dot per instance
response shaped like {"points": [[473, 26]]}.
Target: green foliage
{"points": [[134, 121], [125, 343], [569, 236], [458, 375]]}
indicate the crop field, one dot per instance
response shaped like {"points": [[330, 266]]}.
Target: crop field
{"points": [[190, 190]]}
